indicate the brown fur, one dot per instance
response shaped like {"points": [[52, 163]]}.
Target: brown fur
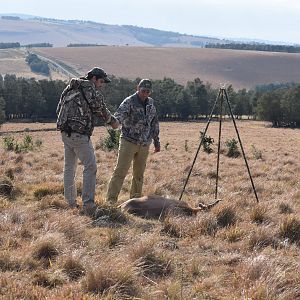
{"points": [[157, 206]]}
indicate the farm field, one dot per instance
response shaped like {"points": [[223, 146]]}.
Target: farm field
{"points": [[240, 249], [242, 69]]}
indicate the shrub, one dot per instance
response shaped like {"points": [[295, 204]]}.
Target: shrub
{"points": [[232, 150], [28, 144], [8, 143], [207, 141], [110, 142], [186, 147], [257, 154]]}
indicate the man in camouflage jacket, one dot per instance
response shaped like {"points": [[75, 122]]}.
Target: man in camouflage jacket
{"points": [[80, 102], [138, 117]]}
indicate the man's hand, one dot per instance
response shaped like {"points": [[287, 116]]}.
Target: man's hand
{"points": [[115, 125]]}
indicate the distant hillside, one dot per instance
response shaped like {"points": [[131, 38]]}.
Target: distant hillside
{"points": [[60, 33], [243, 69]]}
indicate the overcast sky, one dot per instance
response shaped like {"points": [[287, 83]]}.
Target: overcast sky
{"points": [[273, 20]]}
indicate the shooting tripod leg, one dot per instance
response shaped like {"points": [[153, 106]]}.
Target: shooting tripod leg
{"points": [[219, 142], [197, 152], [238, 135]]}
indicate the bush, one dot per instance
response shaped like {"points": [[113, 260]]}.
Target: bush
{"points": [[232, 148], [28, 144], [207, 142], [257, 154], [110, 142]]}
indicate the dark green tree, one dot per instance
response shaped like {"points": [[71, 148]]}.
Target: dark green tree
{"points": [[2, 110], [12, 94], [198, 97], [269, 108], [165, 92]]}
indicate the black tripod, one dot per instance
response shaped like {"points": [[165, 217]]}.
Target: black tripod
{"points": [[221, 96]]}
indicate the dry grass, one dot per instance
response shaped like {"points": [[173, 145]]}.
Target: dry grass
{"points": [[238, 250]]}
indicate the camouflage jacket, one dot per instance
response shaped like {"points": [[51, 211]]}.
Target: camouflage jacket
{"points": [[79, 103], [139, 122]]}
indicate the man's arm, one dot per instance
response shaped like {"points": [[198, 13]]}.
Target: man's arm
{"points": [[155, 133], [98, 107], [123, 111]]}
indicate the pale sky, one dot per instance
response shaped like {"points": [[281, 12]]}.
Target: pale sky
{"points": [[273, 20]]}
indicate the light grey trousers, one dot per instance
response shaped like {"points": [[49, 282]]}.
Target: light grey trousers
{"points": [[79, 146]]}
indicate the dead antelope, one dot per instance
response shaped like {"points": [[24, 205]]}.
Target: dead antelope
{"points": [[157, 206]]}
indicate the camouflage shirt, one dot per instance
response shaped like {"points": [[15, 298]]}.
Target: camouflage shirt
{"points": [[139, 121], [79, 103]]}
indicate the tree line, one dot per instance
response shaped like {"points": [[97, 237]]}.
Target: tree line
{"points": [[37, 65], [18, 45], [256, 47], [37, 99]]}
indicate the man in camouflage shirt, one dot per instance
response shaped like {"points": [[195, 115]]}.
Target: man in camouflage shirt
{"points": [[80, 102], [138, 117]]}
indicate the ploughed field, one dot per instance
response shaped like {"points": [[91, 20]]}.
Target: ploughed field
{"points": [[242, 69], [239, 250]]}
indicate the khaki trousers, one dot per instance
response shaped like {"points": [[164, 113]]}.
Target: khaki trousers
{"points": [[79, 146], [128, 152]]}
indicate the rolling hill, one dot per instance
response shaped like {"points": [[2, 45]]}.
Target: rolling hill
{"points": [[60, 33]]}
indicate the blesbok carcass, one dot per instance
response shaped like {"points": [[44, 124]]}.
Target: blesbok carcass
{"points": [[158, 206]]}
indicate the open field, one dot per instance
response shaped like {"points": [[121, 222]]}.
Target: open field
{"points": [[12, 61], [243, 69], [238, 250]]}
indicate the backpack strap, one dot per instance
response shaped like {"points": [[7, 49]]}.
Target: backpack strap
{"points": [[84, 96]]}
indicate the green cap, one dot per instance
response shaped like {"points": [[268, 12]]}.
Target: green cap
{"points": [[146, 84], [98, 72]]}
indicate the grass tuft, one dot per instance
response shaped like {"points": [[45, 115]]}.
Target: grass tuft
{"points": [[290, 229], [73, 268], [6, 187], [153, 264], [171, 227], [112, 281], [285, 208], [261, 238], [112, 214], [47, 188], [258, 214], [225, 216]]}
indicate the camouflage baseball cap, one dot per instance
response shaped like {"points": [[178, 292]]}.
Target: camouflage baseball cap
{"points": [[146, 84], [98, 72]]}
